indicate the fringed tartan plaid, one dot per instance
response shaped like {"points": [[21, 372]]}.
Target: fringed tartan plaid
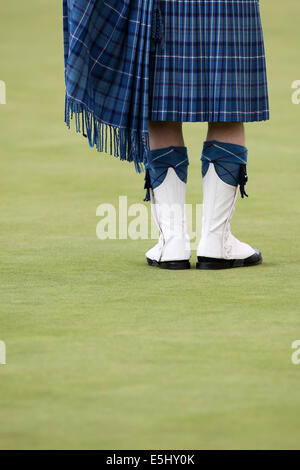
{"points": [[107, 48]]}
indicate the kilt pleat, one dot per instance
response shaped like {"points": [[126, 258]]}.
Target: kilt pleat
{"points": [[211, 63]]}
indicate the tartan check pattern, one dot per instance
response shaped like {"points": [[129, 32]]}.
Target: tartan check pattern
{"points": [[107, 51], [212, 65], [172, 60]]}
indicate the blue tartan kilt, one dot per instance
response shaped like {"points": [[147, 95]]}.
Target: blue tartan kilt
{"points": [[210, 62]]}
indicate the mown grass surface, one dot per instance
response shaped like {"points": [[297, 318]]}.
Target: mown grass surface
{"points": [[102, 351]]}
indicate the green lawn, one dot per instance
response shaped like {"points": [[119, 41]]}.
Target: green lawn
{"points": [[102, 351]]}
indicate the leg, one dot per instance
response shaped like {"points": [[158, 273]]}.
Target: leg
{"points": [[165, 134], [231, 132], [224, 160], [166, 177]]}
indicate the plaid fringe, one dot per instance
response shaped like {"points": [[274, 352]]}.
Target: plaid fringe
{"points": [[122, 143]]}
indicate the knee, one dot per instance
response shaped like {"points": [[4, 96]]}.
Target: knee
{"points": [[165, 134], [225, 126], [165, 126], [227, 132]]}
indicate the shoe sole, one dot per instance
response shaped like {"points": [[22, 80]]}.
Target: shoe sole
{"points": [[216, 263], [173, 265]]}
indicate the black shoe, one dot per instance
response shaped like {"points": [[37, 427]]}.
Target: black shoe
{"points": [[216, 263], [175, 265]]}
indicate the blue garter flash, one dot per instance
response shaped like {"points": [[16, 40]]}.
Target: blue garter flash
{"points": [[159, 161], [230, 162]]}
